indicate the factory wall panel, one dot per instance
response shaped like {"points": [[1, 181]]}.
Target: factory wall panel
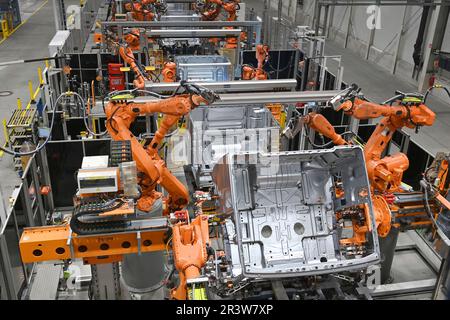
{"points": [[340, 23], [386, 39], [306, 13], [358, 37], [405, 63], [446, 41], [288, 10]]}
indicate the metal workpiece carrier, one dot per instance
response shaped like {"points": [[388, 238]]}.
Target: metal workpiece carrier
{"points": [[282, 211]]}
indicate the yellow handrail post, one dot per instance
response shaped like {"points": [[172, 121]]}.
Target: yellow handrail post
{"points": [[30, 87], [19, 104], [5, 28], [41, 80], [5, 132]]}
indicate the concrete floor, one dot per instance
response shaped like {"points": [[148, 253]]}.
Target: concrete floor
{"points": [[27, 42], [28, 7]]}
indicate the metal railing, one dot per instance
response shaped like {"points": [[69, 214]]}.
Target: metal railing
{"points": [[25, 209]]}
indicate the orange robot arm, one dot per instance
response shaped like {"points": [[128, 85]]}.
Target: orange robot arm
{"points": [[213, 11], [320, 124], [128, 56], [258, 73], [231, 8], [189, 251], [169, 72], [387, 173], [120, 116]]}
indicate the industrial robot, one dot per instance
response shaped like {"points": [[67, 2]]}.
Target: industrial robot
{"points": [[258, 73], [107, 209], [210, 11], [385, 172]]}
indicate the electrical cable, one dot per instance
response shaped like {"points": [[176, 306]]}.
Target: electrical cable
{"points": [[435, 87], [313, 144], [41, 146], [329, 142], [83, 105]]}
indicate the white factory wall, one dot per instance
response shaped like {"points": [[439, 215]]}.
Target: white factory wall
{"points": [[446, 42], [444, 76], [386, 39], [288, 10]]}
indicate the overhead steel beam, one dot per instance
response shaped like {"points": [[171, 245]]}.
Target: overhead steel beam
{"points": [[276, 97], [194, 33], [228, 86], [239, 99], [181, 24], [433, 41], [384, 3]]}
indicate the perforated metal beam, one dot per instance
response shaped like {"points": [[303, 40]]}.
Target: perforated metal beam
{"points": [[58, 243]]}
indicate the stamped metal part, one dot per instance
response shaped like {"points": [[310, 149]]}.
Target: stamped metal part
{"points": [[282, 211], [218, 131]]}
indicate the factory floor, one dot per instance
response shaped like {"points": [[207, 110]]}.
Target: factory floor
{"points": [[32, 38], [29, 41]]}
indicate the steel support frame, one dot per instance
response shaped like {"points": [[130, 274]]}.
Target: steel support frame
{"points": [[371, 36], [106, 281], [254, 26], [37, 187], [59, 243], [27, 205], [228, 86], [193, 33], [6, 268], [181, 24], [398, 43], [347, 32], [46, 180], [59, 12], [444, 273], [434, 39], [384, 3]]}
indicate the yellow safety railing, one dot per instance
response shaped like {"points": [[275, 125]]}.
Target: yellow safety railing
{"points": [[34, 93]]}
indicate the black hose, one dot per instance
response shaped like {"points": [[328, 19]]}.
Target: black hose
{"points": [[417, 53], [426, 201], [435, 87]]}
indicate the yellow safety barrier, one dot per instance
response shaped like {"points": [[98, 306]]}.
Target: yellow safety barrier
{"points": [[41, 80], [5, 28], [30, 87], [34, 93]]}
